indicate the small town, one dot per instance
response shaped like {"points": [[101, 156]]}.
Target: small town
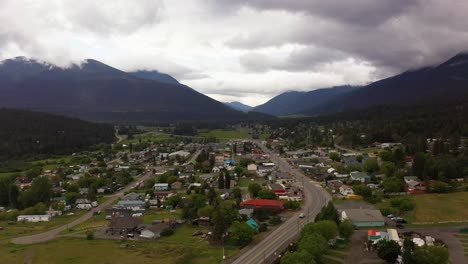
{"points": [[151, 186]]}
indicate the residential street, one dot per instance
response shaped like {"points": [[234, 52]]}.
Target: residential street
{"points": [[51, 234], [315, 199]]}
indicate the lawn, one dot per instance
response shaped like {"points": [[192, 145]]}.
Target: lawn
{"points": [[151, 215], [225, 133], [148, 137], [179, 248], [436, 208], [25, 229], [244, 182]]}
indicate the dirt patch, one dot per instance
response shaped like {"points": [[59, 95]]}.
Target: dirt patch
{"points": [[354, 204]]}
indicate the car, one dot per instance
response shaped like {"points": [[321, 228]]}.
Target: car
{"points": [[401, 221], [400, 225], [390, 216], [302, 215]]}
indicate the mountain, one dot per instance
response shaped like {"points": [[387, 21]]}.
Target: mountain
{"points": [[438, 84], [239, 106], [155, 76], [98, 92], [290, 103], [27, 134]]}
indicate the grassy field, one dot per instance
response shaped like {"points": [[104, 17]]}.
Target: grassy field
{"points": [[24, 229], [225, 133], [179, 248], [244, 182], [436, 208], [148, 137]]}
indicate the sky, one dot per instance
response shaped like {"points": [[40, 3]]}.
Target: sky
{"points": [[241, 50]]}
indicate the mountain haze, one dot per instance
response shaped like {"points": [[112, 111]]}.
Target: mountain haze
{"points": [[290, 103], [98, 92], [239, 106], [439, 84]]}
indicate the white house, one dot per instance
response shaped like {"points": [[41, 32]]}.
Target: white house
{"points": [[34, 218], [252, 167], [161, 186], [215, 169], [346, 190], [331, 170]]}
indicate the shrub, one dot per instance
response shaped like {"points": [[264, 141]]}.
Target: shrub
{"points": [[90, 235], [167, 232], [275, 220], [292, 205]]}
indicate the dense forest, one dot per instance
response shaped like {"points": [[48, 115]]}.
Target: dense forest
{"points": [[26, 134]]}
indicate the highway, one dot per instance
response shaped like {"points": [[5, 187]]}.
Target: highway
{"points": [[51, 234], [315, 197]]}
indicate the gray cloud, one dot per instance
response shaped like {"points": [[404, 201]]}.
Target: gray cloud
{"points": [[245, 49], [392, 35]]}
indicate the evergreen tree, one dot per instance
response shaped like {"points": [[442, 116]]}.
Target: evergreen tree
{"points": [[221, 180]]}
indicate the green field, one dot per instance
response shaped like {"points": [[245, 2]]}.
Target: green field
{"points": [[148, 137], [25, 229], [241, 133], [436, 208], [179, 248]]}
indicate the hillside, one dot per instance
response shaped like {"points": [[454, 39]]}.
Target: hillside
{"points": [[290, 103], [155, 76], [239, 106], [95, 91], [27, 133], [443, 83]]}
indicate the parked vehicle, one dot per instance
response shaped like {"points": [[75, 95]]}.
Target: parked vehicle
{"points": [[302, 215]]}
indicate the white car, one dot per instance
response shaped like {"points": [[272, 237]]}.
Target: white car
{"points": [[302, 215]]}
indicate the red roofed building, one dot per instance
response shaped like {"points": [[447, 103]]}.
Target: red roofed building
{"points": [[273, 205]]}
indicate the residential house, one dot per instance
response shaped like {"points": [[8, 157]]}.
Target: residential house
{"points": [[414, 184], [161, 186], [118, 212], [176, 185], [219, 160], [359, 176], [252, 167], [216, 169], [124, 225], [34, 218], [346, 190], [279, 189], [206, 177], [135, 205]]}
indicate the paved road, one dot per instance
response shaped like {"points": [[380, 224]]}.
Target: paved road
{"points": [[51, 234], [315, 198]]}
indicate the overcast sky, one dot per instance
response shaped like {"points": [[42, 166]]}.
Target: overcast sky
{"points": [[241, 50]]}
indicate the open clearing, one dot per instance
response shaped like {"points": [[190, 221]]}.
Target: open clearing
{"points": [[225, 133], [437, 208], [179, 248]]}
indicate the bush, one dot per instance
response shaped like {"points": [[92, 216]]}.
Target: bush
{"points": [[167, 232], [263, 227], [275, 220], [292, 205], [90, 235], [386, 210]]}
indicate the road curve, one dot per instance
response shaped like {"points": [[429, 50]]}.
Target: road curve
{"points": [[51, 234], [315, 197]]}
